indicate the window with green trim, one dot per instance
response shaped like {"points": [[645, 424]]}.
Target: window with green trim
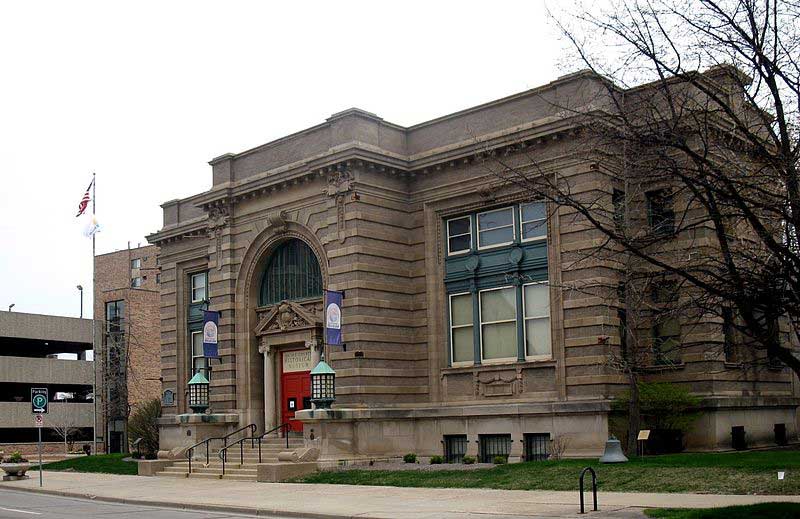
{"points": [[536, 298], [462, 345], [533, 219], [199, 362], [199, 283], [498, 308], [292, 273]]}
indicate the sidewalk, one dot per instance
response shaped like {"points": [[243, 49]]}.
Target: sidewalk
{"points": [[340, 501]]}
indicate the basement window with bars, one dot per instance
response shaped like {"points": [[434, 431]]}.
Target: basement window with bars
{"points": [[536, 446], [493, 445], [455, 448]]}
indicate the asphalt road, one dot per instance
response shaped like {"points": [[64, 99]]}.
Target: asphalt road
{"points": [[27, 505]]}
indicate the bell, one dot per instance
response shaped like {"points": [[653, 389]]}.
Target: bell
{"points": [[613, 452]]}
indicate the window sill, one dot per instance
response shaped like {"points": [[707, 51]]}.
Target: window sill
{"points": [[497, 366], [665, 367]]}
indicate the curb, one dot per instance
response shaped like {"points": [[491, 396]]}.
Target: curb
{"points": [[255, 512]]}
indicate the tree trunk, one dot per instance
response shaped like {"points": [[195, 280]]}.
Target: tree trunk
{"points": [[634, 414]]}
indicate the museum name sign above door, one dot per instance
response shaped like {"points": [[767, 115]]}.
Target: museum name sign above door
{"points": [[294, 361]]}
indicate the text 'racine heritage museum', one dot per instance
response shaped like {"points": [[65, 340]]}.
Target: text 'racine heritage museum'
{"points": [[456, 336]]}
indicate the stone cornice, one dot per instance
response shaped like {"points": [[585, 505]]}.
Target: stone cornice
{"points": [[358, 155]]}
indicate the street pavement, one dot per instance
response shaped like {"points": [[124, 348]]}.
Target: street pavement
{"points": [[27, 505], [349, 501]]}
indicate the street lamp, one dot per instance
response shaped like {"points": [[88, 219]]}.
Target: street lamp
{"points": [[198, 393], [80, 289], [323, 385], [11, 306]]}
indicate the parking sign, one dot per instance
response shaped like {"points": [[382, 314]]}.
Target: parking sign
{"points": [[39, 399]]}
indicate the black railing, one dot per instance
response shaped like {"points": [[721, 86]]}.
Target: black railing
{"points": [[594, 487], [223, 452], [207, 441]]}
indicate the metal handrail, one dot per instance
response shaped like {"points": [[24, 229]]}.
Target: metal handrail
{"points": [[594, 487], [223, 452], [207, 441]]}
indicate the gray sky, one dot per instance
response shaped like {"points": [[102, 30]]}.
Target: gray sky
{"points": [[146, 93]]}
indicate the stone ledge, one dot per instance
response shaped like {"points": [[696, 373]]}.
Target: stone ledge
{"points": [[275, 472], [496, 410], [151, 467]]}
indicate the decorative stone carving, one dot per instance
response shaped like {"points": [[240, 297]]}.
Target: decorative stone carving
{"points": [[497, 383], [218, 218], [339, 185], [287, 315], [278, 220]]}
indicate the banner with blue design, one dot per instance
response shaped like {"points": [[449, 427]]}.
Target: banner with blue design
{"points": [[333, 317], [210, 331]]}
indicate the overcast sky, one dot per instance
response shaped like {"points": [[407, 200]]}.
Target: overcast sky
{"points": [[146, 93]]}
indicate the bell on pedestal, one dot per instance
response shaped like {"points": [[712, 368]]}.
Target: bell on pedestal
{"points": [[613, 452]]}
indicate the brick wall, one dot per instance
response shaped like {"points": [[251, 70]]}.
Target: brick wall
{"points": [[142, 322]]}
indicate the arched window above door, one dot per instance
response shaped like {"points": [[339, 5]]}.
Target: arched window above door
{"points": [[292, 273]]}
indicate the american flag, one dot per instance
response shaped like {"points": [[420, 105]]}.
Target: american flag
{"points": [[85, 200]]}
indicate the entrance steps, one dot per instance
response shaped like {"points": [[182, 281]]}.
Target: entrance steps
{"points": [[241, 465]]}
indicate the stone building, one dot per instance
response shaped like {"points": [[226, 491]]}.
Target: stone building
{"points": [[45, 351], [458, 336], [126, 306]]}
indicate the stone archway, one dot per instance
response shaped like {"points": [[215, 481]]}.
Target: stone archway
{"points": [[256, 339]]}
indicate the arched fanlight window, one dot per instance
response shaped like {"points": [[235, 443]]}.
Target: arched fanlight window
{"points": [[292, 273]]}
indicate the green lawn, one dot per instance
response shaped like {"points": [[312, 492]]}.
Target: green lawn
{"points": [[104, 463], [763, 511], [721, 473]]}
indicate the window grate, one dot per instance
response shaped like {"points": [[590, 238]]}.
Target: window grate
{"points": [[537, 446], [455, 448], [492, 445]]}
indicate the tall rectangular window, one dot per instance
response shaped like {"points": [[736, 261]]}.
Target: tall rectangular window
{"points": [[660, 214], [461, 329], [136, 282], [536, 299], [728, 331], [667, 341], [533, 220], [496, 228], [498, 311], [136, 263], [199, 362], [115, 317], [459, 235], [618, 201], [199, 289]]}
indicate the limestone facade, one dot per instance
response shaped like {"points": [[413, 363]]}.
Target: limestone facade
{"points": [[373, 202]]}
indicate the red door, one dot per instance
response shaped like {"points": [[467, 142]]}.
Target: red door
{"points": [[296, 395]]}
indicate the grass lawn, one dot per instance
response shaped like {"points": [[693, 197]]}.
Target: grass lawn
{"points": [[765, 511], [104, 463], [720, 473]]}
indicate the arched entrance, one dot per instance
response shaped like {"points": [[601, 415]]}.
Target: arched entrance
{"points": [[289, 329]]}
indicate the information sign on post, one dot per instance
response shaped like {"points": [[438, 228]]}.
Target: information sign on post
{"points": [[39, 399]]}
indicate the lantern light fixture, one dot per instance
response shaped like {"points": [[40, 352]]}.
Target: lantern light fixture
{"points": [[198, 393], [323, 385]]}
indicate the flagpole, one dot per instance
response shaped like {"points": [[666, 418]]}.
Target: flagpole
{"points": [[94, 333]]}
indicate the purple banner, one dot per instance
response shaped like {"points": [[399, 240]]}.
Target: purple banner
{"points": [[210, 331], [333, 317]]}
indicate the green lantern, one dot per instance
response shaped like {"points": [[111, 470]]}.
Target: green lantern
{"points": [[323, 385], [198, 393]]}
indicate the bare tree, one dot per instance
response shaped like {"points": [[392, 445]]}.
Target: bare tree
{"points": [[64, 424], [692, 118]]}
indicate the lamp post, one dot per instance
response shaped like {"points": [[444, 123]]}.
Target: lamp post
{"points": [[11, 306], [323, 385], [198, 393], [80, 289]]}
